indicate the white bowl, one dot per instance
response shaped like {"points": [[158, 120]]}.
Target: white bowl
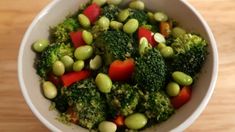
{"points": [[57, 10]]}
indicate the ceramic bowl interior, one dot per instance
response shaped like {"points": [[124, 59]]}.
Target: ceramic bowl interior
{"points": [[56, 12]]}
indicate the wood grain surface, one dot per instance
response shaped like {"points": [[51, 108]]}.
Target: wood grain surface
{"points": [[15, 17]]}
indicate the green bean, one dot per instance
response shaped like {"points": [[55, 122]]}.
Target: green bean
{"points": [[114, 2], [99, 2], [104, 83], [159, 38], [96, 63], [84, 20], [136, 121], [137, 4], [116, 25], [160, 17], [172, 89], [167, 52], [123, 15], [131, 26], [177, 32], [160, 46], [83, 52], [104, 23], [78, 65], [87, 37], [151, 17], [58, 68], [49, 90], [68, 62], [40, 45], [143, 46], [107, 126], [182, 78]]}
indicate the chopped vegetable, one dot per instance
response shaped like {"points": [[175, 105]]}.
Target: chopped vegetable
{"points": [[77, 39], [119, 120], [165, 29], [143, 32], [121, 70], [183, 97], [93, 11]]}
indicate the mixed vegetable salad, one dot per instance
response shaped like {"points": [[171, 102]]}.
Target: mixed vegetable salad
{"points": [[113, 69]]}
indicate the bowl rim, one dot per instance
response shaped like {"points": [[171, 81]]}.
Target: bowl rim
{"points": [[181, 127]]}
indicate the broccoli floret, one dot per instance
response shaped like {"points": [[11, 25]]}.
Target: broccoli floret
{"points": [[60, 33], [114, 45], [88, 103], [140, 15], [183, 43], [157, 106], [110, 11], [150, 71], [191, 53], [51, 54], [123, 99]]}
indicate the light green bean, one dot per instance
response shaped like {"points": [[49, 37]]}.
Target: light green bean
{"points": [[107, 126], [104, 83], [87, 37], [123, 15], [182, 78], [137, 4], [136, 121], [167, 52], [103, 23], [83, 52], [68, 62], [58, 68], [84, 20], [96, 63], [49, 90], [40, 45], [177, 32], [160, 17], [131, 26], [99, 2], [172, 89], [114, 2], [78, 65], [116, 25]]}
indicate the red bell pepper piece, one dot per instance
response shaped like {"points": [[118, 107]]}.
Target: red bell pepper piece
{"points": [[143, 32], [77, 39], [54, 79], [183, 97], [73, 77], [121, 70], [93, 11], [119, 120]]}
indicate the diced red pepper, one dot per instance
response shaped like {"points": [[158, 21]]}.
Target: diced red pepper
{"points": [[143, 32], [119, 120], [183, 97], [77, 39], [121, 70], [54, 79], [92, 12], [73, 77]]}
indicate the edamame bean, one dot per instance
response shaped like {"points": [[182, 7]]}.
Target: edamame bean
{"points": [[123, 15], [96, 63], [143, 46], [87, 37], [40, 45], [131, 26], [104, 23], [84, 20], [172, 89], [177, 32], [103, 82], [159, 38], [114, 2], [99, 2], [136, 121], [107, 126], [58, 68], [83, 52], [160, 46], [78, 65], [68, 62], [139, 5], [167, 52], [116, 25], [160, 17], [49, 90], [182, 78]]}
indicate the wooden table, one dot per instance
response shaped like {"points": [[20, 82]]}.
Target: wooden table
{"points": [[16, 15]]}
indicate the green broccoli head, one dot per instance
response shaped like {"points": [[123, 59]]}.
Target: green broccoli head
{"points": [[114, 45], [191, 53], [184, 43], [60, 33], [150, 72], [51, 54], [157, 106], [123, 99], [88, 103], [140, 15], [110, 11]]}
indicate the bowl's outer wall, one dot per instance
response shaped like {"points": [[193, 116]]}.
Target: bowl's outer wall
{"points": [[59, 9]]}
